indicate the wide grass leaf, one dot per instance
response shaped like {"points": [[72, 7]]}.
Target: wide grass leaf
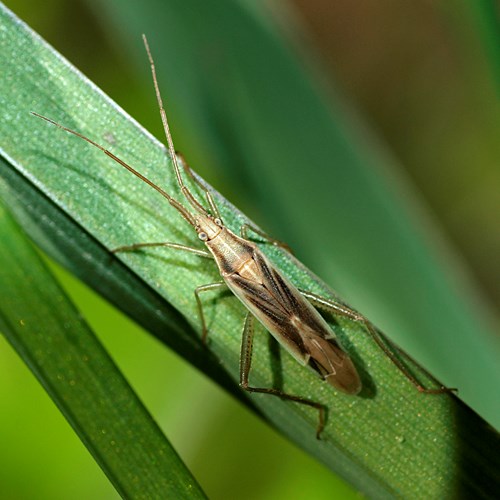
{"points": [[310, 168], [425, 441]]}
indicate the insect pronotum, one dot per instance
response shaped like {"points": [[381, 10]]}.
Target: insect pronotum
{"points": [[288, 313]]}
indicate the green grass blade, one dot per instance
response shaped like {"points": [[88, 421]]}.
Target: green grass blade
{"points": [[390, 441], [68, 360], [486, 16]]}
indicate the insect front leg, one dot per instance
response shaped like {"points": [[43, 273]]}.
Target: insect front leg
{"points": [[387, 346], [245, 365], [208, 196], [250, 227], [198, 290], [215, 211]]}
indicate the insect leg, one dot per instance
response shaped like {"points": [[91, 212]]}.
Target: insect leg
{"points": [[176, 246], [245, 364], [197, 291], [215, 211], [249, 227], [387, 346], [208, 196]]}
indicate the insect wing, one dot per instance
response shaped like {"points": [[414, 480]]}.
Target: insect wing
{"points": [[293, 322]]}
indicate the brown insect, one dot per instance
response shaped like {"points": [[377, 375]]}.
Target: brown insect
{"points": [[289, 314]]}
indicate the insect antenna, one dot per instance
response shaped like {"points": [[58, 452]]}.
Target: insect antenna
{"points": [[185, 191], [176, 204]]}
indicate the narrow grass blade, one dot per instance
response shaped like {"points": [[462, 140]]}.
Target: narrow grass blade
{"points": [[47, 332]]}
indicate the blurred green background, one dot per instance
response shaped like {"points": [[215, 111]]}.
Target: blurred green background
{"points": [[424, 78]]}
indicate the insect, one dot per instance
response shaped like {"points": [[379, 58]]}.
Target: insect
{"points": [[290, 315]]}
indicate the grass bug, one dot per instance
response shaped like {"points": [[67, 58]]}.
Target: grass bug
{"points": [[289, 314]]}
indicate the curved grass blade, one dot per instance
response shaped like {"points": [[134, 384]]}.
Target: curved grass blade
{"points": [[258, 114], [426, 443], [73, 367]]}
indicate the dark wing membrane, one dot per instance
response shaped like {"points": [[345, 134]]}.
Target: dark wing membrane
{"points": [[333, 364], [282, 291]]}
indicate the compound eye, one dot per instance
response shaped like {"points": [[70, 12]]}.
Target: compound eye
{"points": [[218, 221], [203, 236]]}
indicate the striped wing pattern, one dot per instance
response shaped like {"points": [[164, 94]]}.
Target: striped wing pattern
{"points": [[295, 323]]}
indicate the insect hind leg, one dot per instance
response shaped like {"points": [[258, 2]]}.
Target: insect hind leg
{"points": [[386, 345], [245, 365]]}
